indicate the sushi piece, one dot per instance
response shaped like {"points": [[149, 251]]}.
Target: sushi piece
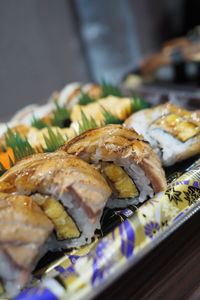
{"points": [[24, 230], [119, 107], [70, 192], [41, 112], [128, 163], [22, 113], [71, 93], [173, 132]]}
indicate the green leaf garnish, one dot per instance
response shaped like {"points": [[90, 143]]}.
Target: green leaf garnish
{"points": [[86, 123], [53, 140], [20, 145], [60, 116], [22, 148], [38, 123], [2, 169], [137, 103], [85, 99], [109, 89], [109, 118]]}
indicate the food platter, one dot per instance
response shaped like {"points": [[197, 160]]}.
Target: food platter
{"points": [[131, 235], [116, 267]]}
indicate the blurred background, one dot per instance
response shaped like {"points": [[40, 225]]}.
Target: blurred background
{"points": [[45, 44]]}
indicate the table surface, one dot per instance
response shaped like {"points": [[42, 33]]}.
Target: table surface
{"points": [[44, 45]]}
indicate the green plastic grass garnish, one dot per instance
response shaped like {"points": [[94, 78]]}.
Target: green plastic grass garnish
{"points": [[85, 99], [20, 145], [53, 140], [109, 118], [22, 148], [87, 123], [137, 103], [60, 116], [110, 90], [2, 169], [38, 123]]}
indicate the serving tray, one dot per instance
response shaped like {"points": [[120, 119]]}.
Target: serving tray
{"points": [[85, 273], [129, 235]]}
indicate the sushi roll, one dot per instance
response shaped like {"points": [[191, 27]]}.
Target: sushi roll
{"points": [[24, 230], [128, 163], [70, 192], [68, 97], [22, 113], [71, 93], [173, 132], [41, 112]]}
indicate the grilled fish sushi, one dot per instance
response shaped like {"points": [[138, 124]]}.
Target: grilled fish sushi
{"points": [[70, 192], [173, 132], [130, 166], [24, 229]]}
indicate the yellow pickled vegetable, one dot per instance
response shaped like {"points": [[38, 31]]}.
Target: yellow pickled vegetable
{"points": [[65, 227], [122, 183]]}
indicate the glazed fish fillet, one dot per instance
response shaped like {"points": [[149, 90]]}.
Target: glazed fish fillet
{"points": [[128, 163], [71, 193], [172, 131], [24, 229]]}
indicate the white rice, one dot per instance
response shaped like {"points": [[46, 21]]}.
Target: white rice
{"points": [[9, 275], [83, 222]]}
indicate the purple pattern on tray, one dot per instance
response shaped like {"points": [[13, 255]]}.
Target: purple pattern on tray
{"points": [[60, 269], [151, 229], [98, 271], [36, 294], [127, 238], [196, 184]]}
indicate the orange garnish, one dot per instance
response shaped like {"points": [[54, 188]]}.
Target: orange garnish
{"points": [[4, 157]]}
